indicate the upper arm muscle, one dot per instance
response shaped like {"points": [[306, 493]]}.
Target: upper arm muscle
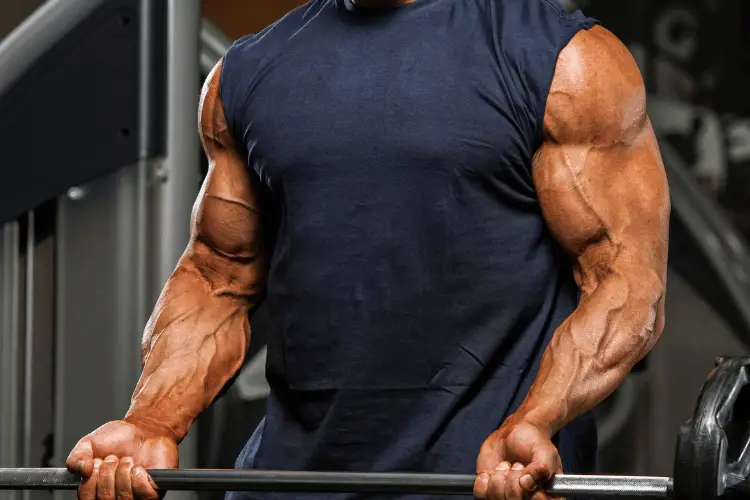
{"points": [[599, 174], [226, 241]]}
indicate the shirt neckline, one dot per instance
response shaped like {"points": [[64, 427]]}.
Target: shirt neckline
{"points": [[362, 11]]}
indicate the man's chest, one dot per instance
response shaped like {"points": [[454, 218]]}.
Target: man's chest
{"points": [[422, 104]]}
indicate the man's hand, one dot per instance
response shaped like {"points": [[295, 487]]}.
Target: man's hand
{"points": [[603, 193], [196, 339], [515, 461], [113, 460]]}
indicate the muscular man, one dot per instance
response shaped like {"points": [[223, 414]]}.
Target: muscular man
{"points": [[456, 213]]}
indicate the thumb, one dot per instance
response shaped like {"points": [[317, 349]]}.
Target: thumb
{"points": [[540, 471], [81, 459]]}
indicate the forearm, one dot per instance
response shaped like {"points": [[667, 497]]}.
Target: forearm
{"points": [[194, 343], [590, 354]]}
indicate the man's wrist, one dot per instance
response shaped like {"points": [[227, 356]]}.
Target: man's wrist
{"points": [[153, 421], [543, 416]]}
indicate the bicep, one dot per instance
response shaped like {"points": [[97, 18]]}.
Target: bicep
{"points": [[226, 223], [226, 217], [588, 193], [599, 174]]}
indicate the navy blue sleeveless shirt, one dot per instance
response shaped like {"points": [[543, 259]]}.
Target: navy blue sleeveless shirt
{"points": [[413, 284]]}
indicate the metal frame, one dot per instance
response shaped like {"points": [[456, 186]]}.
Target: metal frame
{"points": [[182, 162], [59, 394], [28, 341], [9, 329], [214, 44], [718, 240], [128, 199], [28, 375], [37, 34]]}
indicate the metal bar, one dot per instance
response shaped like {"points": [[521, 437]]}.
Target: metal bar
{"points": [[342, 482], [214, 44], [28, 354], [629, 486], [9, 333], [182, 162], [41, 30], [146, 105], [60, 338], [28, 378]]}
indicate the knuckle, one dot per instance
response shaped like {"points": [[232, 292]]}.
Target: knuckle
{"points": [[105, 493], [141, 488], [124, 469], [544, 472]]}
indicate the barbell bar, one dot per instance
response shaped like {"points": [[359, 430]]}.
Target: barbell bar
{"points": [[342, 482], [712, 462]]}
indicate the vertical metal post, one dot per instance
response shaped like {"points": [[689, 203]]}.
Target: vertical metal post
{"points": [[28, 364], [9, 341], [145, 138], [182, 162], [58, 426]]}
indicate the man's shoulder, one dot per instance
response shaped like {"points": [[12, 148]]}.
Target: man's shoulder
{"points": [[529, 11], [597, 88], [277, 34]]}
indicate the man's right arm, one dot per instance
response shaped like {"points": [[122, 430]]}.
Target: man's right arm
{"points": [[197, 337]]}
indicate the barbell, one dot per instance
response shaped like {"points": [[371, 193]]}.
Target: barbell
{"points": [[712, 462]]}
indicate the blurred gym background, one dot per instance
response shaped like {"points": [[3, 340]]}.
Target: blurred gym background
{"points": [[101, 163]]}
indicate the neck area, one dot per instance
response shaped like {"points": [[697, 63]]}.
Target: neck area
{"points": [[380, 4]]}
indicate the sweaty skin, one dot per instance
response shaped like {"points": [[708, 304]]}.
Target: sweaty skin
{"points": [[198, 334], [603, 192]]}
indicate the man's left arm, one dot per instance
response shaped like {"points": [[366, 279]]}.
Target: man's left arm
{"points": [[603, 192]]}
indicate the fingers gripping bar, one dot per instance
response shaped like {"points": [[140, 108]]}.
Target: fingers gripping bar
{"points": [[712, 462], [340, 482]]}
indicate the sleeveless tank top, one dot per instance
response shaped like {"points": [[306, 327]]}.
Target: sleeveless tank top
{"points": [[413, 283]]}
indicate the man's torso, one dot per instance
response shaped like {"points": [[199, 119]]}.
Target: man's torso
{"points": [[413, 284]]}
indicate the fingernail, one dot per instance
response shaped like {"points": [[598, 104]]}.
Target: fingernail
{"points": [[503, 466], [484, 478], [97, 463], [517, 466], [111, 459], [528, 483], [137, 471], [126, 460]]}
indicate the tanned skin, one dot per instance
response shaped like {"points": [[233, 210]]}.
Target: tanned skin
{"points": [[603, 192], [199, 332]]}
